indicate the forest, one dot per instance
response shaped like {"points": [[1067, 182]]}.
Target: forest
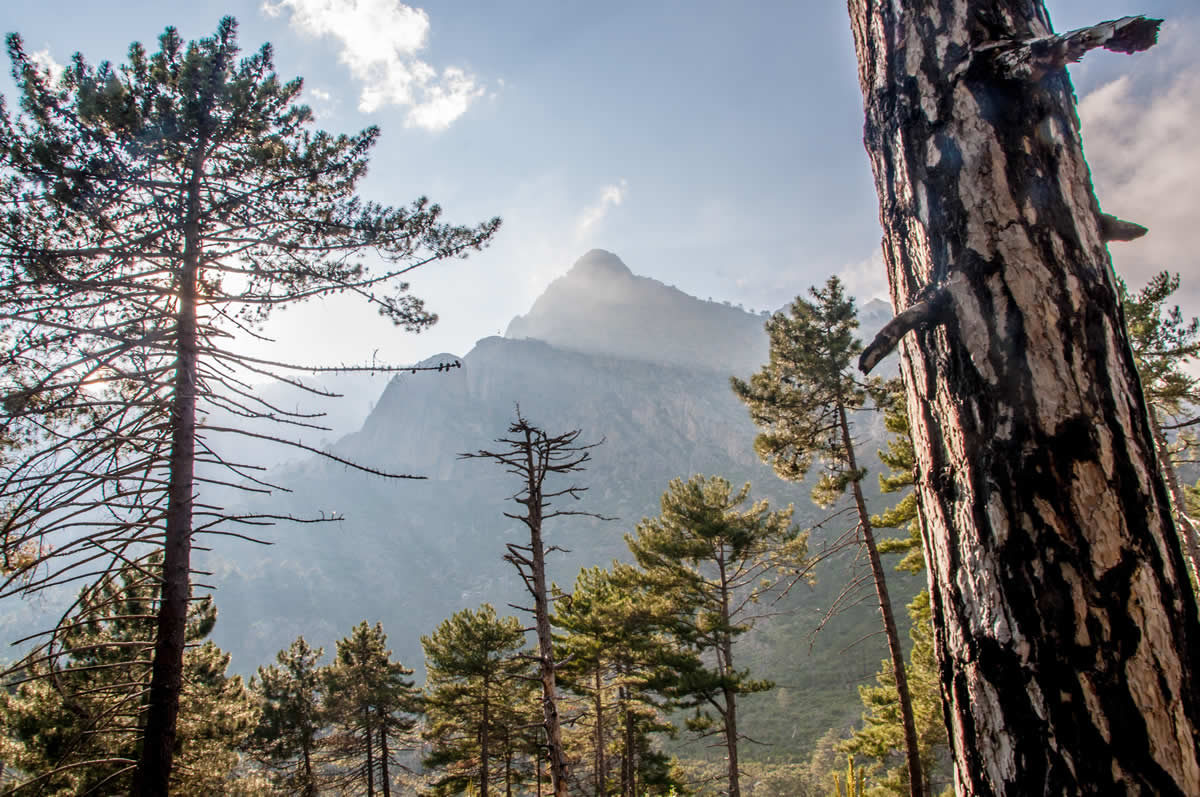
{"points": [[992, 487]]}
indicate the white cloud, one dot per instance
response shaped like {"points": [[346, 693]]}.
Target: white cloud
{"points": [[866, 279], [380, 40], [45, 62], [1141, 135], [610, 196], [445, 102]]}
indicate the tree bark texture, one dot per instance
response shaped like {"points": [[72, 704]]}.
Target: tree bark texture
{"points": [[912, 753], [1066, 633]]}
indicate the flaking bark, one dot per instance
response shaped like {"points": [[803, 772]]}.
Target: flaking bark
{"points": [[1066, 635]]}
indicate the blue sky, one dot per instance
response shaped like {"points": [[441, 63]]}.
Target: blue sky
{"points": [[713, 146]]}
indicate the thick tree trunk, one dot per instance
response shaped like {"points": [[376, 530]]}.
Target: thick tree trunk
{"points": [[1066, 633], [916, 780], [1183, 521], [153, 774]]}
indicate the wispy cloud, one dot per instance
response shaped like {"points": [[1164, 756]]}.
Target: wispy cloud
{"points": [[610, 196], [866, 279], [380, 41], [1141, 134]]}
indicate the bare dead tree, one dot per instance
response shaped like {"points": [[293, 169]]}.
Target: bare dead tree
{"points": [[532, 455], [1066, 633]]}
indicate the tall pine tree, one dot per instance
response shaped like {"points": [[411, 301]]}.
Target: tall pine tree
{"points": [[372, 707], [477, 701], [715, 558], [802, 400], [291, 699], [150, 214]]}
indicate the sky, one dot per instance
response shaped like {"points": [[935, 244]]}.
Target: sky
{"points": [[716, 147]]}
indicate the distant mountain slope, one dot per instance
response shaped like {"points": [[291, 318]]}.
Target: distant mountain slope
{"points": [[410, 553]]}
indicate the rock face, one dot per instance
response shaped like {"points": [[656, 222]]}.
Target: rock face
{"points": [[601, 307], [628, 360]]}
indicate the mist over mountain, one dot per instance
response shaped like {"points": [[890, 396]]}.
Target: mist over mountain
{"points": [[632, 362], [601, 307]]}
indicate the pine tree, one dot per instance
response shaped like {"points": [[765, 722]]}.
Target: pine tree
{"points": [[883, 731], [714, 559], [1163, 346], [150, 213], [372, 707], [617, 657], [802, 399], [476, 694], [1067, 640], [291, 700], [72, 724]]}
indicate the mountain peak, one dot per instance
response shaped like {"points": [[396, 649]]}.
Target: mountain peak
{"points": [[600, 262], [601, 307]]}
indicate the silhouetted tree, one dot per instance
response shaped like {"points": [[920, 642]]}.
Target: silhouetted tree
{"points": [[150, 213], [290, 697]]}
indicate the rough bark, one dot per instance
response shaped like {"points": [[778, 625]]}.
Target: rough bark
{"points": [[1066, 634], [912, 753], [153, 774]]}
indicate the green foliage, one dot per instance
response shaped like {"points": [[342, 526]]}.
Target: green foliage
{"points": [[73, 726], [290, 697], [150, 212], [882, 737], [901, 461], [617, 657], [478, 697], [1163, 344], [372, 706], [713, 560], [800, 396], [855, 784]]}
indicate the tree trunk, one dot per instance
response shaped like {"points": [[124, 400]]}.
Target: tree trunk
{"points": [[725, 660], [153, 774], [310, 785], [384, 776], [484, 733], [370, 753], [1065, 628], [912, 752], [1183, 521], [599, 737], [541, 610], [627, 762]]}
